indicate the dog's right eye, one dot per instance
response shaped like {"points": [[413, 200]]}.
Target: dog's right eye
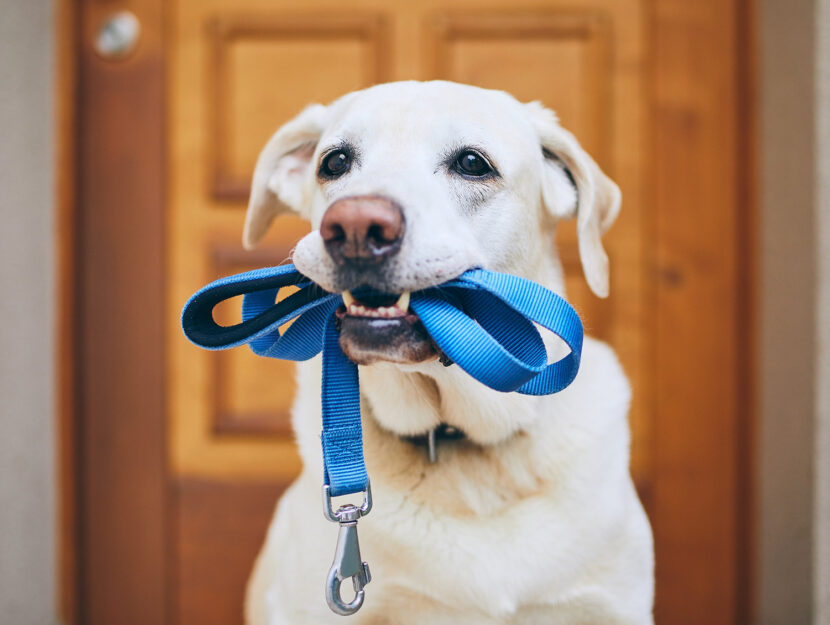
{"points": [[472, 164], [335, 164]]}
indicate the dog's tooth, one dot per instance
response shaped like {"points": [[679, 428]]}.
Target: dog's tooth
{"points": [[348, 298], [403, 301], [360, 310]]}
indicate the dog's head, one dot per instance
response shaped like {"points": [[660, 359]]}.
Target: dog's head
{"points": [[409, 184]]}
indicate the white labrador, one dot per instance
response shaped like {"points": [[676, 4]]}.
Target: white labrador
{"points": [[532, 517]]}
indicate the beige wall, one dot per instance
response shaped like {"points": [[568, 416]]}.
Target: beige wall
{"points": [[822, 507], [786, 307], [27, 497], [794, 300]]}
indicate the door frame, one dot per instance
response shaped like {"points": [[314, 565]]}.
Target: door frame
{"points": [[110, 490], [114, 532]]}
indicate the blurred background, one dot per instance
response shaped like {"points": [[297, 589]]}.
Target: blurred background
{"points": [[138, 474]]}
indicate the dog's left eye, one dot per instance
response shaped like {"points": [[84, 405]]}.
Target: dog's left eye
{"points": [[335, 164], [472, 164]]}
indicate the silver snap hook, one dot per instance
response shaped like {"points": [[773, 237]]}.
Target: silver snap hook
{"points": [[347, 562]]}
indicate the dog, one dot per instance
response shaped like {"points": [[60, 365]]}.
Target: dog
{"points": [[529, 514]]}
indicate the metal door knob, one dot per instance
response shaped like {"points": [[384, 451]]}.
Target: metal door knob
{"points": [[118, 36]]}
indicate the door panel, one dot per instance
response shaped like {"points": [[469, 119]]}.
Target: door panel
{"points": [[587, 66], [265, 65], [220, 528]]}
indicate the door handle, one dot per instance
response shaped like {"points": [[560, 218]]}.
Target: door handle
{"points": [[117, 36]]}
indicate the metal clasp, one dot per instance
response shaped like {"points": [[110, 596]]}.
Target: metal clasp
{"points": [[347, 561]]}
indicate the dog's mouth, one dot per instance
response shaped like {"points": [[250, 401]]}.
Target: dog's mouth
{"points": [[377, 326]]}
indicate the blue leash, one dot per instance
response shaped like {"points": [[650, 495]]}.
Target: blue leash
{"points": [[482, 320]]}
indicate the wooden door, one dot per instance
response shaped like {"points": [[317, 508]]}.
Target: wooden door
{"points": [[168, 140]]}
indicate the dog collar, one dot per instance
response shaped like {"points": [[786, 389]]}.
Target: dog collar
{"points": [[430, 440], [483, 321]]}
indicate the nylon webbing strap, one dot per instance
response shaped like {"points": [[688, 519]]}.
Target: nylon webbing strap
{"points": [[484, 321]]}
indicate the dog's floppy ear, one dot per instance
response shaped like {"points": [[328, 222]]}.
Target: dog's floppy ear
{"points": [[596, 201], [281, 172]]}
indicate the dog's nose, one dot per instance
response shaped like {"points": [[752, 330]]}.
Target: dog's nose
{"points": [[362, 229]]}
